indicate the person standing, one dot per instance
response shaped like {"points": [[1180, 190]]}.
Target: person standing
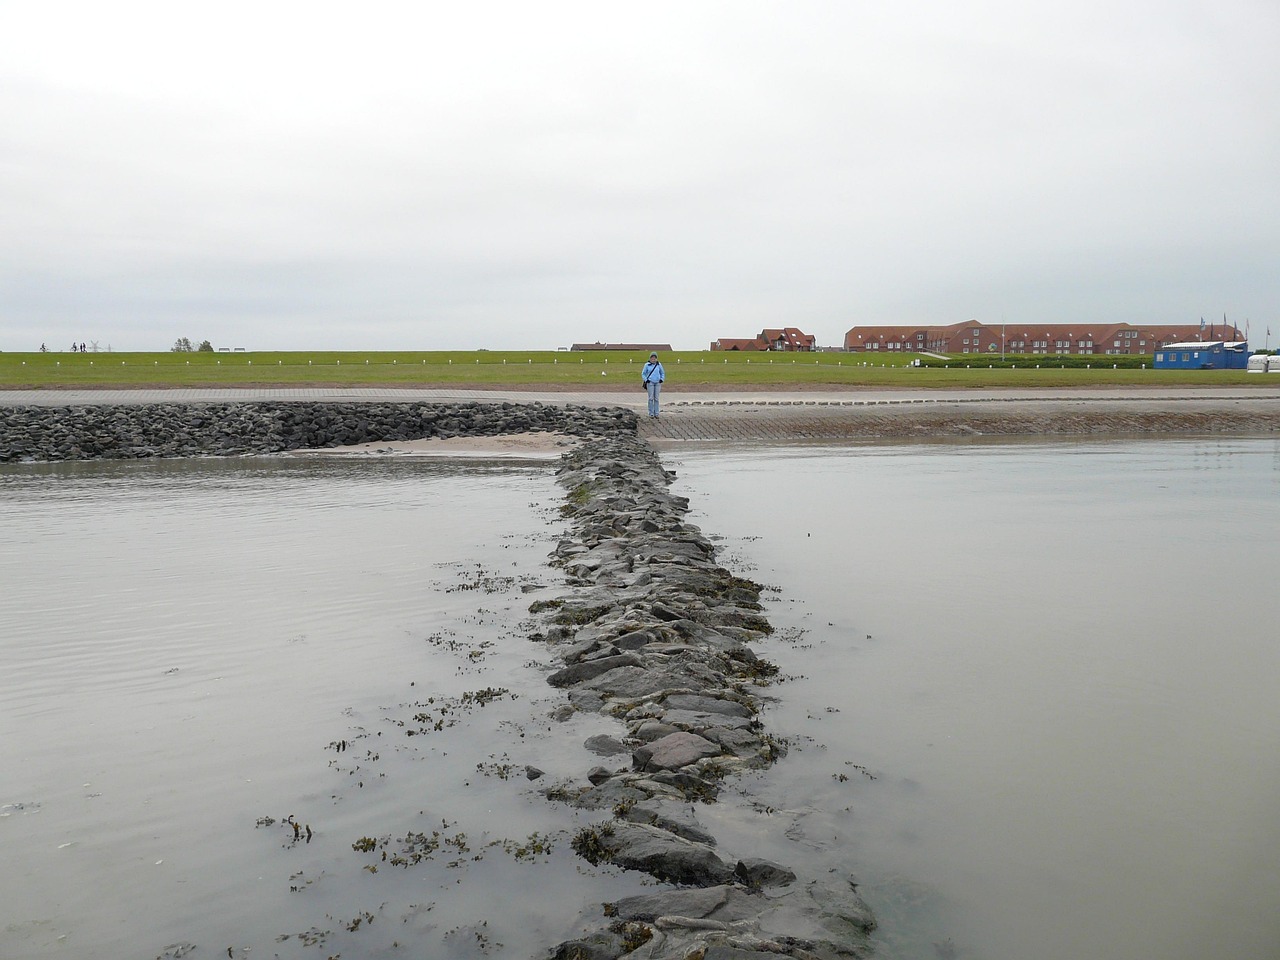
{"points": [[652, 377]]}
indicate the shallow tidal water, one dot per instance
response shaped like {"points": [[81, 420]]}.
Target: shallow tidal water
{"points": [[196, 655], [1030, 689]]}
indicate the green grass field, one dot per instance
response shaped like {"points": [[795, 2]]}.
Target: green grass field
{"points": [[549, 368]]}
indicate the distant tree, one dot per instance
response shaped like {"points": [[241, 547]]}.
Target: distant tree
{"points": [[182, 345], [205, 347]]}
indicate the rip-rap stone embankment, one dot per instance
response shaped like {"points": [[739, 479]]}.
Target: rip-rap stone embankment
{"points": [[657, 634], [137, 431]]}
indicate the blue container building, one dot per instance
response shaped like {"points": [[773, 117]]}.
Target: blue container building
{"points": [[1203, 355]]}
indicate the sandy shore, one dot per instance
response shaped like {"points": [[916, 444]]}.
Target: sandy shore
{"points": [[514, 446]]}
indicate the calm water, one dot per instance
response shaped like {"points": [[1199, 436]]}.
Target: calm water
{"points": [[189, 648], [1060, 665], [1030, 692]]}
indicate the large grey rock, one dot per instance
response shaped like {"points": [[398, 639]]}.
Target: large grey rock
{"points": [[678, 818], [698, 721], [756, 873], [686, 670], [576, 673], [700, 903], [603, 745], [700, 704], [635, 846], [650, 730], [674, 751]]}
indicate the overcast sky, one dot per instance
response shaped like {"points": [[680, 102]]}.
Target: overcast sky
{"points": [[514, 174]]}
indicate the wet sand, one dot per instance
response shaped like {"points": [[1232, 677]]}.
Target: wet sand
{"points": [[783, 420], [513, 446]]}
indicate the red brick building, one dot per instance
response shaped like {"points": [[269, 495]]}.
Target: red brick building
{"points": [[784, 339], [1107, 339]]}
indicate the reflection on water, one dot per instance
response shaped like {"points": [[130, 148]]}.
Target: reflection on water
{"points": [[1028, 689], [1032, 688], [190, 649]]}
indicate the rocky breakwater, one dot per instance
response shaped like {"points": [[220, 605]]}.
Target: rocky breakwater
{"points": [[656, 633], [135, 431]]}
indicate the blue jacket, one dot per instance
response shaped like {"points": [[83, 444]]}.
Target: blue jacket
{"points": [[652, 371]]}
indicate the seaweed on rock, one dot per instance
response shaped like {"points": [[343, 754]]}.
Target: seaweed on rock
{"points": [[657, 634]]}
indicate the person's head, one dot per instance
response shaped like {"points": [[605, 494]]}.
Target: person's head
{"points": [[653, 356]]}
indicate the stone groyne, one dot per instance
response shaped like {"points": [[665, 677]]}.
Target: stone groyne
{"points": [[137, 431], [656, 633], [653, 631]]}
